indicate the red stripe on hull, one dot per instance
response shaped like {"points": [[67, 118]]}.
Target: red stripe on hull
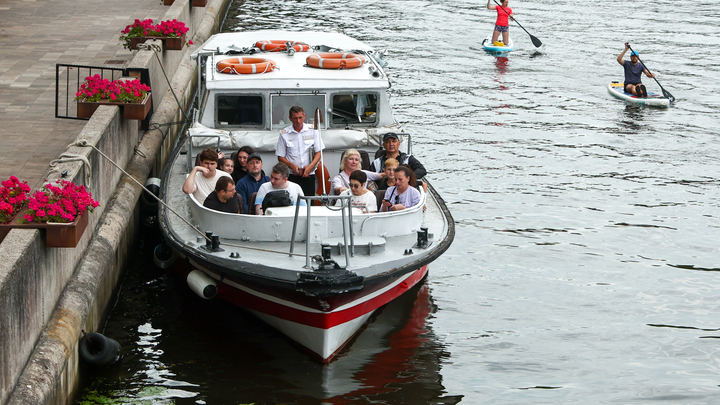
{"points": [[324, 320]]}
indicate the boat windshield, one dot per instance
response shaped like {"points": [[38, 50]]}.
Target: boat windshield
{"points": [[354, 108], [281, 103]]}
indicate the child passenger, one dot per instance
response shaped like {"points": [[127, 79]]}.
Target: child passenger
{"points": [[389, 179], [362, 198], [226, 164]]}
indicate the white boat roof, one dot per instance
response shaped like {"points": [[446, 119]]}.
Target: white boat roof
{"points": [[292, 72]]}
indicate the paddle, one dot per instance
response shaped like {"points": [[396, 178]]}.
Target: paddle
{"points": [[665, 92], [534, 39]]}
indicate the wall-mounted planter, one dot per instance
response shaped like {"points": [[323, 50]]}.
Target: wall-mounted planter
{"points": [[171, 43], [131, 111]]}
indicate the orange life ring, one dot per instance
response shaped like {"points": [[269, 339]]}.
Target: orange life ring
{"points": [[335, 60], [245, 65], [279, 46]]}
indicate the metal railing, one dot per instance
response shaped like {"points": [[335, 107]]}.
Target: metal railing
{"points": [[326, 199], [68, 79]]}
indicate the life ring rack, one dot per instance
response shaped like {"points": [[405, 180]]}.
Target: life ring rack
{"points": [[281, 46], [335, 60], [247, 65]]}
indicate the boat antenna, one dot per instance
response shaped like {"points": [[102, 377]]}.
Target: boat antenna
{"points": [[316, 125]]}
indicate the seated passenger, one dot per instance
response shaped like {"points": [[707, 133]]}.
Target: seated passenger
{"points": [[278, 181], [349, 164], [391, 144], [202, 179], [225, 198], [389, 180], [361, 197], [252, 181], [226, 165], [402, 195], [240, 158]]}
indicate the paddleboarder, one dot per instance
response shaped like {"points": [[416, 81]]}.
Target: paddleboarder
{"points": [[633, 70], [502, 24]]}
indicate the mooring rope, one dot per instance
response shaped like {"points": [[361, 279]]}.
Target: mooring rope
{"points": [[72, 157]]}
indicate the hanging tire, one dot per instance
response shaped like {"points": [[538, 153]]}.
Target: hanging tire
{"points": [[98, 350]]}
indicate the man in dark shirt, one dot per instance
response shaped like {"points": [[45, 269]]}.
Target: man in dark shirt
{"points": [[252, 181], [225, 198], [391, 145]]}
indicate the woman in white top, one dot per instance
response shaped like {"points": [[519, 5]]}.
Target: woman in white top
{"points": [[361, 197], [350, 163]]}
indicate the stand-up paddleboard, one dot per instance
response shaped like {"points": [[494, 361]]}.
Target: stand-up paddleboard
{"points": [[653, 99], [487, 44]]}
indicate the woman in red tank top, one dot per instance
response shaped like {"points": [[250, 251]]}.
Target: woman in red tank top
{"points": [[502, 23]]}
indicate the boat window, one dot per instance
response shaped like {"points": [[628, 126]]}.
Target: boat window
{"points": [[281, 104], [354, 109], [239, 110]]}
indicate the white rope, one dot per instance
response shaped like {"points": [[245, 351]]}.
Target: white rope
{"points": [[66, 157]]}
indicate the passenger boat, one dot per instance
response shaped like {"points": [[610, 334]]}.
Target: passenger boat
{"points": [[653, 99], [315, 273]]}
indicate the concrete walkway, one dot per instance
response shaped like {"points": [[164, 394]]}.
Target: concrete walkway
{"points": [[34, 36]]}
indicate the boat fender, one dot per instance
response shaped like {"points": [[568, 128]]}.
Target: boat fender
{"points": [[98, 350], [152, 184], [202, 284], [164, 256]]}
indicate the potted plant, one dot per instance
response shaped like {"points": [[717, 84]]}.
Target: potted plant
{"points": [[130, 94], [171, 32], [13, 195], [61, 206]]}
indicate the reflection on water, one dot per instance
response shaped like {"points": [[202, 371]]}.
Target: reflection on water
{"points": [[501, 64]]}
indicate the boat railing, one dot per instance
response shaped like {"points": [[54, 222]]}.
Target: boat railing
{"points": [[346, 223]]}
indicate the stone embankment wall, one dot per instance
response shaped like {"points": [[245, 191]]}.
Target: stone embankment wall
{"points": [[48, 295]]}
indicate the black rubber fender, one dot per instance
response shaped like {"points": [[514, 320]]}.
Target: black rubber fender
{"points": [[98, 350]]}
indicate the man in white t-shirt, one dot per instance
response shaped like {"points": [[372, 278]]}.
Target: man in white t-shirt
{"points": [[202, 179], [278, 181]]}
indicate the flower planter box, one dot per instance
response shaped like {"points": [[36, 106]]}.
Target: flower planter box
{"points": [[66, 235], [199, 3], [57, 234], [171, 43], [131, 111]]}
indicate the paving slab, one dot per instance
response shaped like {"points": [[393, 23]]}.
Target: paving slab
{"points": [[34, 36]]}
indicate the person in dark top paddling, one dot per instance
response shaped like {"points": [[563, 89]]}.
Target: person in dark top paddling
{"points": [[225, 198], [633, 70]]}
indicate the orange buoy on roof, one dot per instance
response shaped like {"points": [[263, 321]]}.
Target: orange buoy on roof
{"points": [[279, 46], [245, 65], [335, 60]]}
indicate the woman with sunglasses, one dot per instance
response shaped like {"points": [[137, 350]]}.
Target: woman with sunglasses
{"points": [[361, 197]]}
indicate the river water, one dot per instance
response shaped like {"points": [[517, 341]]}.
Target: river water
{"points": [[586, 263]]}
